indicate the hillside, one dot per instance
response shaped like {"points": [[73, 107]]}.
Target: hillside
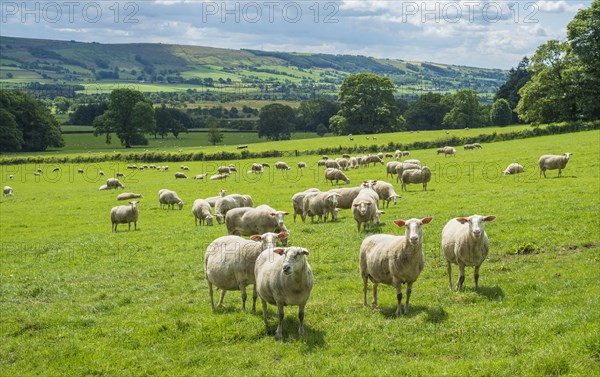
{"points": [[235, 73]]}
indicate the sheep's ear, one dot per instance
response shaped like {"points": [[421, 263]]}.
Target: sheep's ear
{"points": [[381, 212], [355, 205], [489, 218], [368, 203], [426, 220], [400, 223], [279, 250], [256, 237], [272, 214], [286, 213], [462, 220], [304, 251], [283, 235]]}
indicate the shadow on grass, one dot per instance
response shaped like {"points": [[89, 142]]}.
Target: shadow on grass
{"points": [[312, 338], [491, 293], [432, 315]]}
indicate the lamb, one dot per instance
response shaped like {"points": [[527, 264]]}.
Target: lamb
{"points": [[180, 175], [213, 199], [393, 260], [364, 207], [552, 162], [128, 196], [513, 168], [386, 192], [114, 183], [8, 191], [320, 204], [248, 221], [229, 264], [201, 176], [217, 177], [390, 168], [284, 278], [403, 166], [223, 170], [281, 166], [346, 196], [203, 212], [297, 202], [422, 175], [332, 174], [124, 215], [465, 243], [169, 198]]}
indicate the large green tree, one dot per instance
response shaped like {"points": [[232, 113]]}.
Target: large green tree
{"points": [[517, 78], [426, 113], [130, 116], [368, 104], [312, 113], [215, 136], [165, 123], [465, 110], [501, 114], [276, 122], [26, 123]]}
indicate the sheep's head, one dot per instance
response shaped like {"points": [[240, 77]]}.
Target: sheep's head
{"points": [[293, 257], [209, 220], [362, 207], [567, 155], [475, 223], [278, 216], [269, 239], [180, 204], [414, 231]]}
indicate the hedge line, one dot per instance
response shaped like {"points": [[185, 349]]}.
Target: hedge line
{"points": [[552, 129]]}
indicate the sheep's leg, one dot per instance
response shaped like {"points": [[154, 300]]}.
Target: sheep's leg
{"points": [[210, 293], [399, 297], [365, 288], [477, 276], [264, 309], [374, 302], [279, 332], [461, 277], [559, 172], [220, 304], [357, 223], [301, 320], [135, 225], [450, 275], [244, 296], [254, 296], [408, 292]]}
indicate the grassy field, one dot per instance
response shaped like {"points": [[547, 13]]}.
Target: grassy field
{"points": [[77, 299]]}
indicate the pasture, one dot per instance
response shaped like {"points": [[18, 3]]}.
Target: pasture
{"points": [[77, 299]]}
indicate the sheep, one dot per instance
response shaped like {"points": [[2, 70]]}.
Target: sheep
{"points": [[114, 183], [403, 166], [169, 198], [119, 174], [393, 260], [284, 278], [257, 168], [465, 243], [321, 162], [217, 177], [386, 192], [281, 166], [201, 176], [333, 164], [398, 154], [229, 264], [132, 167], [346, 156], [202, 211], [325, 157], [104, 187], [320, 204], [552, 162], [248, 221], [266, 165], [80, 171], [364, 207], [346, 196], [389, 155], [342, 163], [513, 168], [180, 175], [297, 200], [11, 177], [468, 147], [380, 154], [7, 191], [101, 173], [413, 161], [227, 203], [374, 159], [301, 165], [124, 214], [183, 167], [405, 153], [332, 174], [213, 199], [242, 146], [128, 196], [232, 168], [353, 163], [223, 170], [449, 151], [422, 175], [390, 168], [477, 145], [441, 150]]}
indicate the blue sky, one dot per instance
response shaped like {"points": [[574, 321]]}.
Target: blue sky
{"points": [[482, 33]]}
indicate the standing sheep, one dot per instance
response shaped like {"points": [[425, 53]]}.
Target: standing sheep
{"points": [[386, 192], [284, 278], [465, 243], [390, 168], [282, 166], [248, 221], [393, 260], [422, 175], [297, 202], [124, 215], [553, 162], [223, 170], [332, 164], [320, 204], [402, 166], [332, 174], [169, 198], [347, 195], [8, 191], [364, 207], [113, 183], [179, 175], [202, 211], [213, 199]]}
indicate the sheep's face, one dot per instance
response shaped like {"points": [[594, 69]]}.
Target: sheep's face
{"points": [[568, 155], [209, 220], [414, 230], [278, 216], [220, 218], [362, 207], [293, 258], [180, 205], [333, 199], [377, 217], [475, 222], [269, 240], [134, 204]]}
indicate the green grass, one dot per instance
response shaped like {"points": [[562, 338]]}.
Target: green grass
{"points": [[79, 300]]}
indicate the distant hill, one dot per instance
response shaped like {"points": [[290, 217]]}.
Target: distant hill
{"points": [[234, 73]]}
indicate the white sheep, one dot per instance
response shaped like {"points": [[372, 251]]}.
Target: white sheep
{"points": [[229, 202], [114, 183], [217, 177], [8, 191], [353, 163], [343, 163], [213, 199], [169, 198], [513, 168], [449, 151], [257, 168], [282, 165], [385, 190], [104, 187], [101, 173], [229, 264], [223, 170], [284, 278], [347, 195], [301, 165], [232, 168], [402, 166], [321, 204], [297, 202], [332, 174], [124, 215], [332, 164], [321, 162], [180, 175], [390, 168], [364, 207], [201, 176], [375, 159], [247, 221], [393, 260], [128, 196], [11, 177], [202, 211], [553, 162], [465, 243], [422, 175]]}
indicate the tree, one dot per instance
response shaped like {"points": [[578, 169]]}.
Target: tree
{"points": [[27, 123], [311, 113], [500, 114], [214, 135], [85, 114], [165, 123], [62, 104], [129, 115], [465, 110], [338, 124], [321, 130], [517, 78], [426, 113], [368, 104], [276, 122]]}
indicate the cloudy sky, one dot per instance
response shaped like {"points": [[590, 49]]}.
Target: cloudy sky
{"points": [[482, 33]]}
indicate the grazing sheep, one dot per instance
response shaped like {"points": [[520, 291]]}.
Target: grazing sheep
{"points": [[553, 162], [301, 165], [403, 166], [266, 165], [183, 167], [380, 154], [201, 176], [332, 164], [213, 199], [346, 156], [449, 151], [248, 221], [353, 163], [202, 211], [223, 170], [124, 215], [232, 168], [325, 157], [422, 175], [321, 204], [413, 161], [297, 202], [393, 260], [364, 207], [343, 163], [80, 171], [389, 155], [229, 264], [217, 177], [114, 183], [169, 198], [119, 174], [180, 175], [227, 203], [281, 166], [465, 243], [7, 191], [101, 173], [390, 168], [385, 190], [346, 196], [441, 150], [321, 162], [257, 168], [513, 168], [284, 278], [477, 145], [398, 154], [374, 159], [332, 174], [468, 147], [128, 196], [405, 153], [11, 177]]}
